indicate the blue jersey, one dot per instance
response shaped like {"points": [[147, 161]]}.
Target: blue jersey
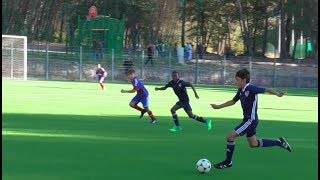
{"points": [[249, 100], [180, 89], [139, 87]]}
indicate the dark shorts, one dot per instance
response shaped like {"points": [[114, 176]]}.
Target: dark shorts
{"points": [[185, 105], [143, 100], [101, 78], [248, 126]]}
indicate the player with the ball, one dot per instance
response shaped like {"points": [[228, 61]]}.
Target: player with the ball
{"points": [[248, 96]]}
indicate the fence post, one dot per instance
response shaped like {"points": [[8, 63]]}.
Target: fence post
{"points": [[47, 62], [299, 73], [142, 69], [250, 63], [80, 64], [112, 65], [197, 68], [274, 73], [169, 71], [11, 67], [224, 70]]}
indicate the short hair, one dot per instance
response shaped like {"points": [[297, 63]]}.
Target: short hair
{"points": [[131, 71], [175, 72], [243, 74]]}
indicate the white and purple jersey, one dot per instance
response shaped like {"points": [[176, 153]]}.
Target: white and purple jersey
{"points": [[139, 87], [101, 72], [249, 100]]}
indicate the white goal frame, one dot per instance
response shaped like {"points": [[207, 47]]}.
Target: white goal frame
{"points": [[12, 48]]}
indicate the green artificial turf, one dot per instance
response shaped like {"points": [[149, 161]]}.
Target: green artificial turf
{"points": [[55, 130]]}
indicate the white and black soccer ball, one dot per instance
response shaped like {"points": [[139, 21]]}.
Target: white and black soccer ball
{"points": [[203, 165]]}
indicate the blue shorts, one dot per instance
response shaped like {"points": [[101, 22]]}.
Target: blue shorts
{"points": [[248, 126], [186, 105], [143, 100]]}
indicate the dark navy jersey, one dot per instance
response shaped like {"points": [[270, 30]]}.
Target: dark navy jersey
{"points": [[249, 100], [180, 89], [139, 87]]}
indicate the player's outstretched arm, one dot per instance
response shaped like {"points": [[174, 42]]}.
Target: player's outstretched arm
{"points": [[226, 104], [194, 91], [271, 91], [128, 91], [161, 88]]}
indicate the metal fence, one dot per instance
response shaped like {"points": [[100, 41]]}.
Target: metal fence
{"points": [[78, 64]]}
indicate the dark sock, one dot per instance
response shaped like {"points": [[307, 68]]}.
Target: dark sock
{"points": [[229, 152], [175, 119], [268, 143], [198, 118]]}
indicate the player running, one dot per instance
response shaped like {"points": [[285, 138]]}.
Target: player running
{"points": [[102, 73], [248, 95], [142, 96], [179, 88]]}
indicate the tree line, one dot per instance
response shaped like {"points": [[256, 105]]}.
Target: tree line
{"points": [[244, 25]]}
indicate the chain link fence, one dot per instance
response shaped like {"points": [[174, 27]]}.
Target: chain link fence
{"points": [[78, 64]]}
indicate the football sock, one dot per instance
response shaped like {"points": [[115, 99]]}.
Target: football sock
{"points": [[230, 149], [151, 115], [138, 108], [200, 119], [268, 143], [175, 119]]}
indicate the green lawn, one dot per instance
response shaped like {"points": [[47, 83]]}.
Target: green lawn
{"points": [[73, 131]]}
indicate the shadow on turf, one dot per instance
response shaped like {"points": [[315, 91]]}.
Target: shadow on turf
{"points": [[121, 123], [131, 132]]}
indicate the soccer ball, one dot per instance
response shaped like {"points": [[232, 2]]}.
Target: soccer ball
{"points": [[203, 165]]}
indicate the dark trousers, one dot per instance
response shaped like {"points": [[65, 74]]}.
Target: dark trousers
{"points": [[149, 59]]}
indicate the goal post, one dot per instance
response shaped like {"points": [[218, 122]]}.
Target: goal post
{"points": [[14, 57]]}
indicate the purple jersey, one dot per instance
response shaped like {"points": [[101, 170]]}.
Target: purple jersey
{"points": [[101, 72], [249, 100], [139, 87]]}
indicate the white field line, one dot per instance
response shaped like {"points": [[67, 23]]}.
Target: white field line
{"points": [[61, 135]]}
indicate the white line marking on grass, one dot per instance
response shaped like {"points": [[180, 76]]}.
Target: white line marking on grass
{"points": [[60, 135]]}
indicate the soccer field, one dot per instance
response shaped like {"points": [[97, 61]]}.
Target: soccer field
{"points": [[55, 130]]}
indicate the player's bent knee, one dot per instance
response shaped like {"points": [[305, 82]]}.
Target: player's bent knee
{"points": [[131, 104], [230, 138]]}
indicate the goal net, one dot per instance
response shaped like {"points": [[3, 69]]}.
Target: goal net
{"points": [[14, 57]]}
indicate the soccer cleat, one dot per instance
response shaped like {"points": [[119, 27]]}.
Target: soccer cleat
{"points": [[176, 129], [223, 165], [209, 124], [285, 144], [142, 113], [153, 121]]}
